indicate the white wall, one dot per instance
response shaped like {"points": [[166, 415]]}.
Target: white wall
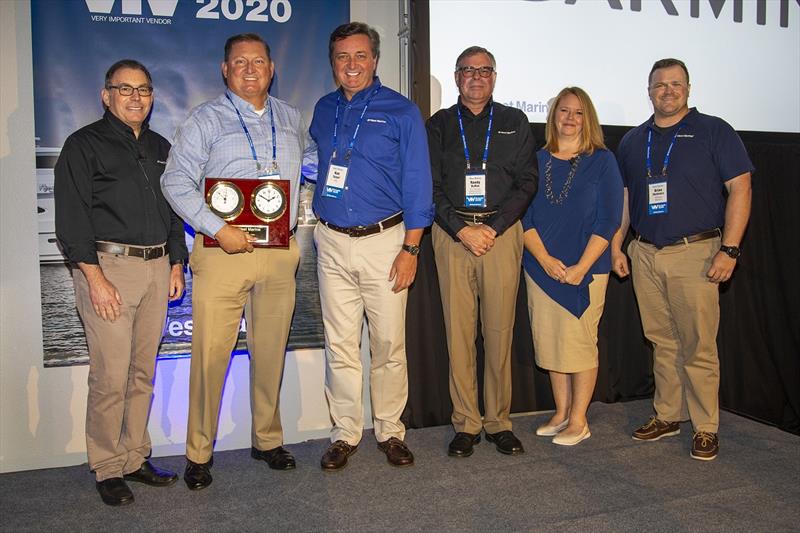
{"points": [[383, 15], [42, 410]]}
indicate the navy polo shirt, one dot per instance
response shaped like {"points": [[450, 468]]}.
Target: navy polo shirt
{"points": [[707, 153]]}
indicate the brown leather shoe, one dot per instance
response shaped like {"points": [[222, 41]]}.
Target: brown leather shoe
{"points": [[335, 457], [656, 429], [397, 453], [705, 446]]}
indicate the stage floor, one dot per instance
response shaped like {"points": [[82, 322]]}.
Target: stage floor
{"points": [[607, 483]]}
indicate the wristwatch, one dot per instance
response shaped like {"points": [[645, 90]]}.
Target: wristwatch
{"points": [[413, 249], [732, 251]]}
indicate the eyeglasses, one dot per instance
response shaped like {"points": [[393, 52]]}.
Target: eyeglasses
{"points": [[127, 90], [469, 72]]}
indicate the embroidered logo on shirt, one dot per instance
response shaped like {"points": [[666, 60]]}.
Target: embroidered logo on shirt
{"points": [[378, 120], [160, 162], [512, 132], [686, 135]]}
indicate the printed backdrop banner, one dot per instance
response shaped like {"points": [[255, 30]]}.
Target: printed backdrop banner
{"points": [[181, 43]]}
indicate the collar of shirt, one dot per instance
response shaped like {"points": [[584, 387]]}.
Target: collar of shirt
{"points": [[243, 105], [466, 113], [123, 128], [690, 119], [363, 94]]}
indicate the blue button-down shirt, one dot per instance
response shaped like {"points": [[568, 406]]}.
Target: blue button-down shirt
{"points": [[211, 143], [389, 170]]}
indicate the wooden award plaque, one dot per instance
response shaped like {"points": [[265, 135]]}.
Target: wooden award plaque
{"points": [[259, 207]]}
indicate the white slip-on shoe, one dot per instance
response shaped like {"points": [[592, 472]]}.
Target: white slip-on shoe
{"points": [[551, 431], [565, 440]]}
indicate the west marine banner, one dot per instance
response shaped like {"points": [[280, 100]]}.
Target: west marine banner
{"points": [[181, 43]]}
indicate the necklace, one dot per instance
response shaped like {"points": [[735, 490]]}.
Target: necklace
{"points": [[548, 180]]}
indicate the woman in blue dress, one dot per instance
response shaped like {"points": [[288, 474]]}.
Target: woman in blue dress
{"points": [[568, 227]]}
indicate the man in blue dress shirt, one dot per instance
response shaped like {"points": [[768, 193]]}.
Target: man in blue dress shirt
{"points": [[242, 133], [373, 201]]}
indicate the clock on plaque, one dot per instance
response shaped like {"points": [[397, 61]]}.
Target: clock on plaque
{"points": [[257, 207]]}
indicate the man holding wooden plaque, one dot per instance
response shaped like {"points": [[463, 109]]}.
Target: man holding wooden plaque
{"points": [[234, 175]]}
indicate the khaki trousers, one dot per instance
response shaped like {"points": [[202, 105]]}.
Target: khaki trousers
{"points": [[680, 316], [263, 284], [122, 360], [354, 279], [491, 282]]}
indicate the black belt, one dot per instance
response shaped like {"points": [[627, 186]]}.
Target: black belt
{"points": [[475, 216], [363, 231], [145, 252], [702, 236]]}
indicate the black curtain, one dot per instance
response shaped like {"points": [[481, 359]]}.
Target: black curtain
{"points": [[759, 336]]}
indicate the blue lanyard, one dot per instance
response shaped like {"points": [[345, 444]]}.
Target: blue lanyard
{"points": [[464, 138], [349, 151], [666, 156], [250, 139]]}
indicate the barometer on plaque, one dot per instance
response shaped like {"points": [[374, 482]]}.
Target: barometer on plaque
{"points": [[258, 207]]}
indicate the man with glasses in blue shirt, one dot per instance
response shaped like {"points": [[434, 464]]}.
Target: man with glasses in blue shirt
{"points": [[242, 133], [373, 201], [484, 176]]}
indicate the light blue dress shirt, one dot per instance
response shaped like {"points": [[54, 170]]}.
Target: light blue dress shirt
{"points": [[212, 143]]}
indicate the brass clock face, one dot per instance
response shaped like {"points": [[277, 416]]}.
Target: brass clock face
{"points": [[268, 202], [225, 199]]}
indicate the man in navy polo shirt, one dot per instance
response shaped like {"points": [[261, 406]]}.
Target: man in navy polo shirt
{"points": [[373, 200], [677, 167]]}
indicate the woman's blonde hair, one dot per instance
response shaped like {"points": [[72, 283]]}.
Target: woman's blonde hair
{"points": [[592, 134]]}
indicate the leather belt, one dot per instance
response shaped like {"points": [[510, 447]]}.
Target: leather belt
{"points": [[145, 252], [702, 236], [363, 231], [475, 217]]}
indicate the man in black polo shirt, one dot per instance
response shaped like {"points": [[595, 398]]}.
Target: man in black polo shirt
{"points": [[115, 225], [676, 168], [484, 176]]}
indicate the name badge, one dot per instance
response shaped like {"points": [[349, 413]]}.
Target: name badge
{"points": [[334, 182], [475, 189], [657, 198], [271, 174]]}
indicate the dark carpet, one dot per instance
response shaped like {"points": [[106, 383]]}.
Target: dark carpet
{"points": [[607, 483]]}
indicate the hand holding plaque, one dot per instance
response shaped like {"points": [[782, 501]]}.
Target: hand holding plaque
{"points": [[260, 208]]}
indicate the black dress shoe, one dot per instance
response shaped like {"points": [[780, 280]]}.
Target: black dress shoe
{"points": [[397, 453], [277, 458], [198, 475], [506, 442], [114, 491], [463, 444], [335, 457], [152, 475]]}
